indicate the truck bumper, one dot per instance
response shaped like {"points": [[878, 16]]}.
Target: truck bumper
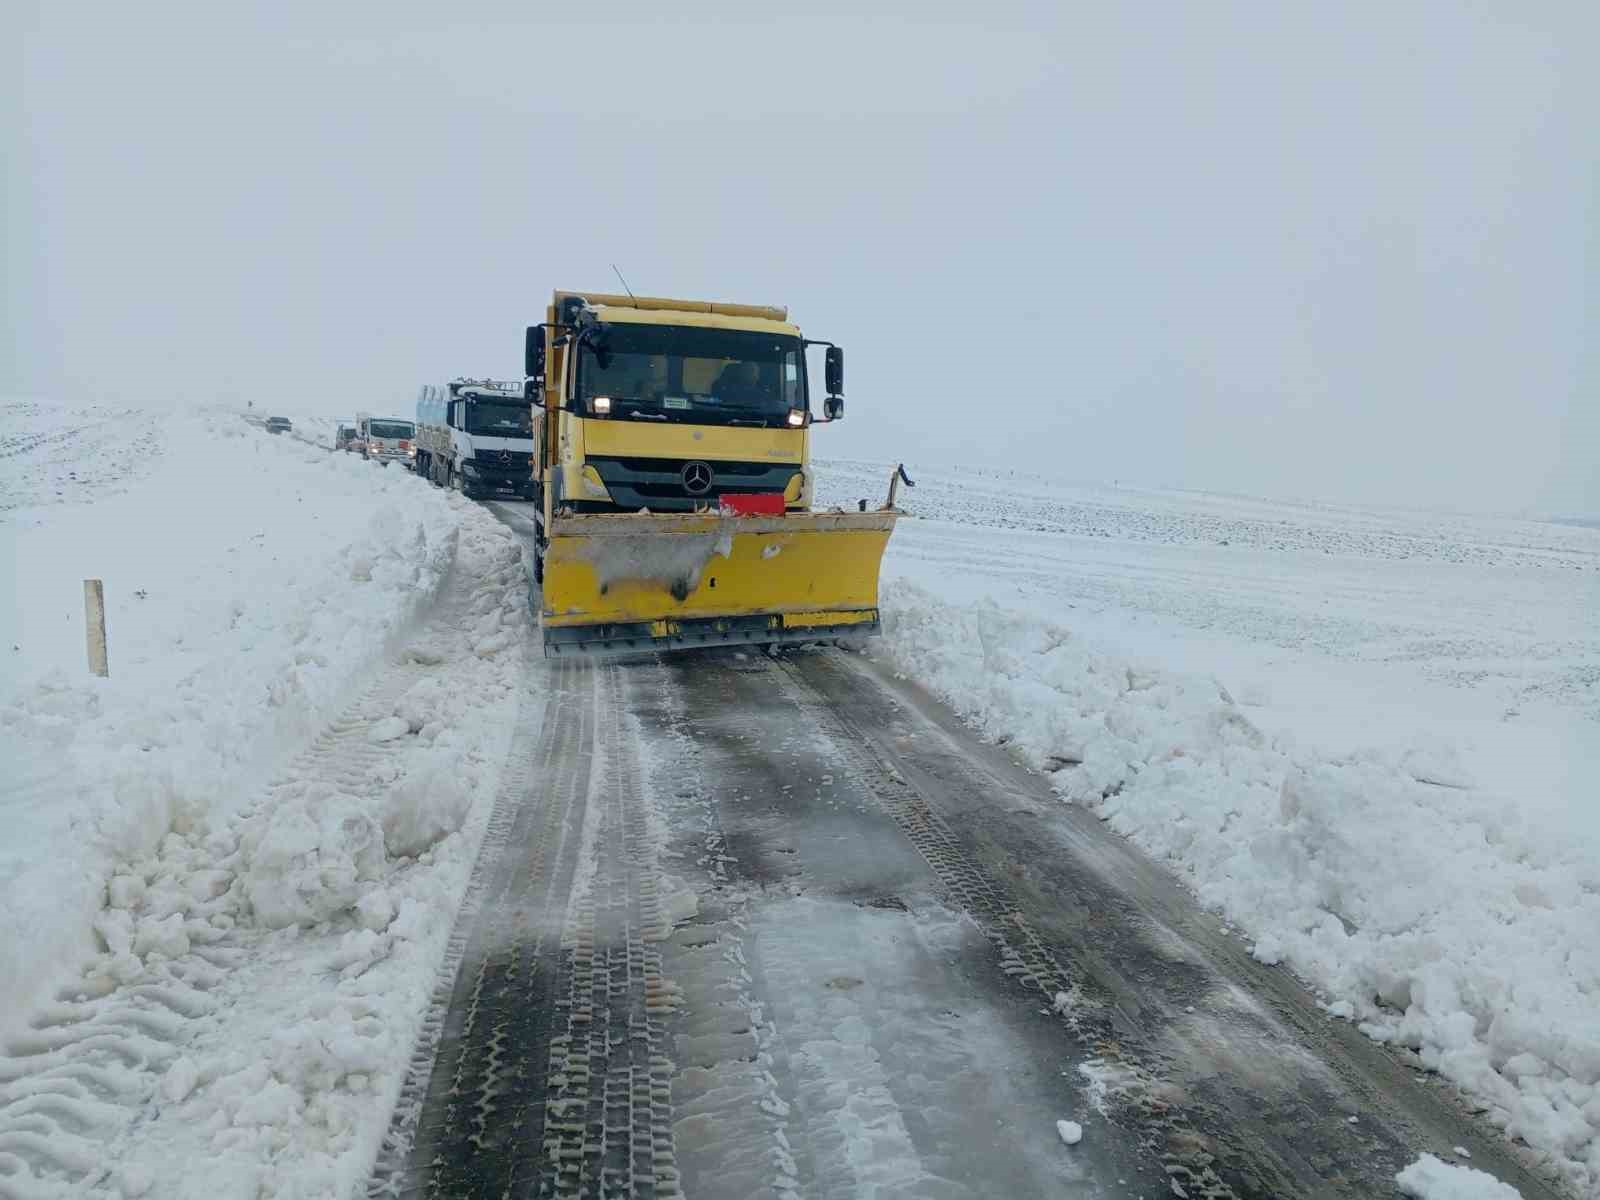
{"points": [[517, 483]]}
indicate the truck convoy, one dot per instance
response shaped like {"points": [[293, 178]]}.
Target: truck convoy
{"points": [[671, 473], [385, 439], [476, 435]]}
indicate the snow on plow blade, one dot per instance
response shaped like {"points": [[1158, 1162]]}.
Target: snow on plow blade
{"points": [[628, 583]]}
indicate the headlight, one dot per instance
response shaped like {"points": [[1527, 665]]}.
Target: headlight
{"points": [[797, 418], [602, 406], [412, 451], [469, 468]]}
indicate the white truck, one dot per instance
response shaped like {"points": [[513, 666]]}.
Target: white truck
{"points": [[476, 435], [386, 439]]}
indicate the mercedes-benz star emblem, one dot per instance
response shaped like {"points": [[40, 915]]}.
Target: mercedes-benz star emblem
{"points": [[696, 478]]}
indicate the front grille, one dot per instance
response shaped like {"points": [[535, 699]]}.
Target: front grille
{"points": [[673, 466], [493, 462], [658, 482]]}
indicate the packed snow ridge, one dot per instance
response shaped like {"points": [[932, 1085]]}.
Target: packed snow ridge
{"points": [[250, 584], [234, 863], [1430, 1178], [1438, 916]]}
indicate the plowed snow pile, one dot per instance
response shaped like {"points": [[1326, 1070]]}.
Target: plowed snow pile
{"points": [[231, 868], [1439, 915], [250, 582]]}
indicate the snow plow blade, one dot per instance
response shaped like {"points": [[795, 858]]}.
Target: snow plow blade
{"points": [[632, 583]]}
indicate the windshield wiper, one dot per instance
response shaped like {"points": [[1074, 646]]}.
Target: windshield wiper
{"points": [[644, 416]]}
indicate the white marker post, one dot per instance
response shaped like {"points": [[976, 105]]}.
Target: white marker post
{"points": [[94, 623]]}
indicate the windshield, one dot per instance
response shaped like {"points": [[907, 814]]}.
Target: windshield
{"points": [[693, 375], [389, 429], [497, 418]]}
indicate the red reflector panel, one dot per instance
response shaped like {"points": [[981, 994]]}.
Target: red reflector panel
{"points": [[745, 505]]}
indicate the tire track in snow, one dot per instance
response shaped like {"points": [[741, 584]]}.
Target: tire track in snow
{"points": [[491, 1050], [1021, 952], [732, 1115], [550, 1075], [609, 1123], [86, 1074]]}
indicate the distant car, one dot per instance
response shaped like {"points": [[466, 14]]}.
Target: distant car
{"points": [[278, 425], [346, 438]]}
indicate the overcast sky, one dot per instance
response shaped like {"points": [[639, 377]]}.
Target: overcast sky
{"points": [[1341, 251]]}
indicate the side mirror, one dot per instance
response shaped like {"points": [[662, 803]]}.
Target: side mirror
{"points": [[833, 407], [533, 352], [835, 371], [530, 389]]}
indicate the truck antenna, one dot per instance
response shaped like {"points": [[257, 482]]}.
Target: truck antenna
{"points": [[624, 282]]}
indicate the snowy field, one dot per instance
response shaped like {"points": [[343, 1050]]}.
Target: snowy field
{"points": [[1368, 739]]}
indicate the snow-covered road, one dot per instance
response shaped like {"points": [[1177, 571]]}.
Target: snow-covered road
{"points": [[779, 928], [329, 843]]}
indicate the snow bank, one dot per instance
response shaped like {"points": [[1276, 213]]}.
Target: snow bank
{"points": [[1436, 915], [251, 583], [337, 890], [250, 892], [1430, 1179]]}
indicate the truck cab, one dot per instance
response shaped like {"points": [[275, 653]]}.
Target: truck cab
{"points": [[476, 435], [671, 406], [386, 439]]}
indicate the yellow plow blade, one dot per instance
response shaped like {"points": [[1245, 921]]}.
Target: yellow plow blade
{"points": [[632, 582]]}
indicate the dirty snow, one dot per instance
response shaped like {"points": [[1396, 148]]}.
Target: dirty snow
{"points": [[1371, 740]]}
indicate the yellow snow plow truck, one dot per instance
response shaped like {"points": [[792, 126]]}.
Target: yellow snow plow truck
{"points": [[673, 484]]}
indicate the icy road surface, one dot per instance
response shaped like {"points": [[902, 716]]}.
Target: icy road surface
{"points": [[776, 927], [784, 927]]}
